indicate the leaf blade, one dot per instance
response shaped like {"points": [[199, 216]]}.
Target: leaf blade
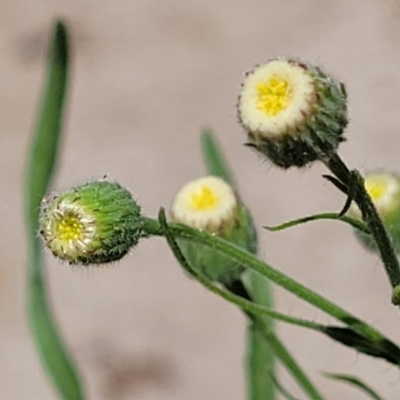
{"points": [[39, 172], [356, 382], [214, 158]]}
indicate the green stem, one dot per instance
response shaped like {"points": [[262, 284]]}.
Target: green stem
{"points": [[351, 179], [259, 325], [152, 227]]}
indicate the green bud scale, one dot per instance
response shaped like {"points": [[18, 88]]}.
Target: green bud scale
{"points": [[293, 112], [94, 223]]}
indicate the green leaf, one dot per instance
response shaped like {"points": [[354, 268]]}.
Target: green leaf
{"points": [[355, 325], [244, 304], [259, 326], [293, 367], [40, 168], [260, 359], [360, 226], [380, 348], [283, 391], [356, 382], [214, 158]]}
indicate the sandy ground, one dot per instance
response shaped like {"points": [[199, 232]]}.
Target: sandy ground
{"points": [[147, 75]]}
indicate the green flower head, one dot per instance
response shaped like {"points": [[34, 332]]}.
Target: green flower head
{"points": [[211, 205], [293, 112], [94, 223]]}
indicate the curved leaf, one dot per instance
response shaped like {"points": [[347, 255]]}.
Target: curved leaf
{"points": [[42, 160]]}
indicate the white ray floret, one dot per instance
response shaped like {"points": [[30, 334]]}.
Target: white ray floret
{"points": [[208, 203], [276, 96]]}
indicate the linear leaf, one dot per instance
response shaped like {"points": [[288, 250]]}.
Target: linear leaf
{"points": [[260, 328], [40, 169], [260, 358], [356, 382], [214, 158], [335, 216]]}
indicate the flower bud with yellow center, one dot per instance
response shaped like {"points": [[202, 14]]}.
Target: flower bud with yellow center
{"points": [[207, 204], [292, 112], [94, 223], [210, 204], [384, 189]]}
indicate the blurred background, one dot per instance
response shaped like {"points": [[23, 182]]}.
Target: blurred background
{"points": [[146, 77]]}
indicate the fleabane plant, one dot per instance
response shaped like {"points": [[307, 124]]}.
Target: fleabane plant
{"points": [[293, 113]]}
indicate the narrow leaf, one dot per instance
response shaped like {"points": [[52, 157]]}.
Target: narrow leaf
{"points": [[335, 216], [42, 159], [260, 358], [245, 258], [356, 382], [244, 304], [259, 326], [284, 356], [214, 158], [284, 392]]}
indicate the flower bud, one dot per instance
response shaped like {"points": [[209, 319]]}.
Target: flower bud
{"points": [[396, 295], [384, 189], [293, 112], [94, 223], [211, 205]]}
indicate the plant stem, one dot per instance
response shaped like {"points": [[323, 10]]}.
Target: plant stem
{"points": [[352, 179], [152, 227], [259, 326]]}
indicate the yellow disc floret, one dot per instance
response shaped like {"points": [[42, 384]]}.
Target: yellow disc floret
{"points": [[208, 203], [274, 95], [204, 199], [69, 227], [68, 230]]}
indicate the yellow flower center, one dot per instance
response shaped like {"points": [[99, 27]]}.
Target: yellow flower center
{"points": [[376, 187], [203, 199], [70, 227], [274, 95]]}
